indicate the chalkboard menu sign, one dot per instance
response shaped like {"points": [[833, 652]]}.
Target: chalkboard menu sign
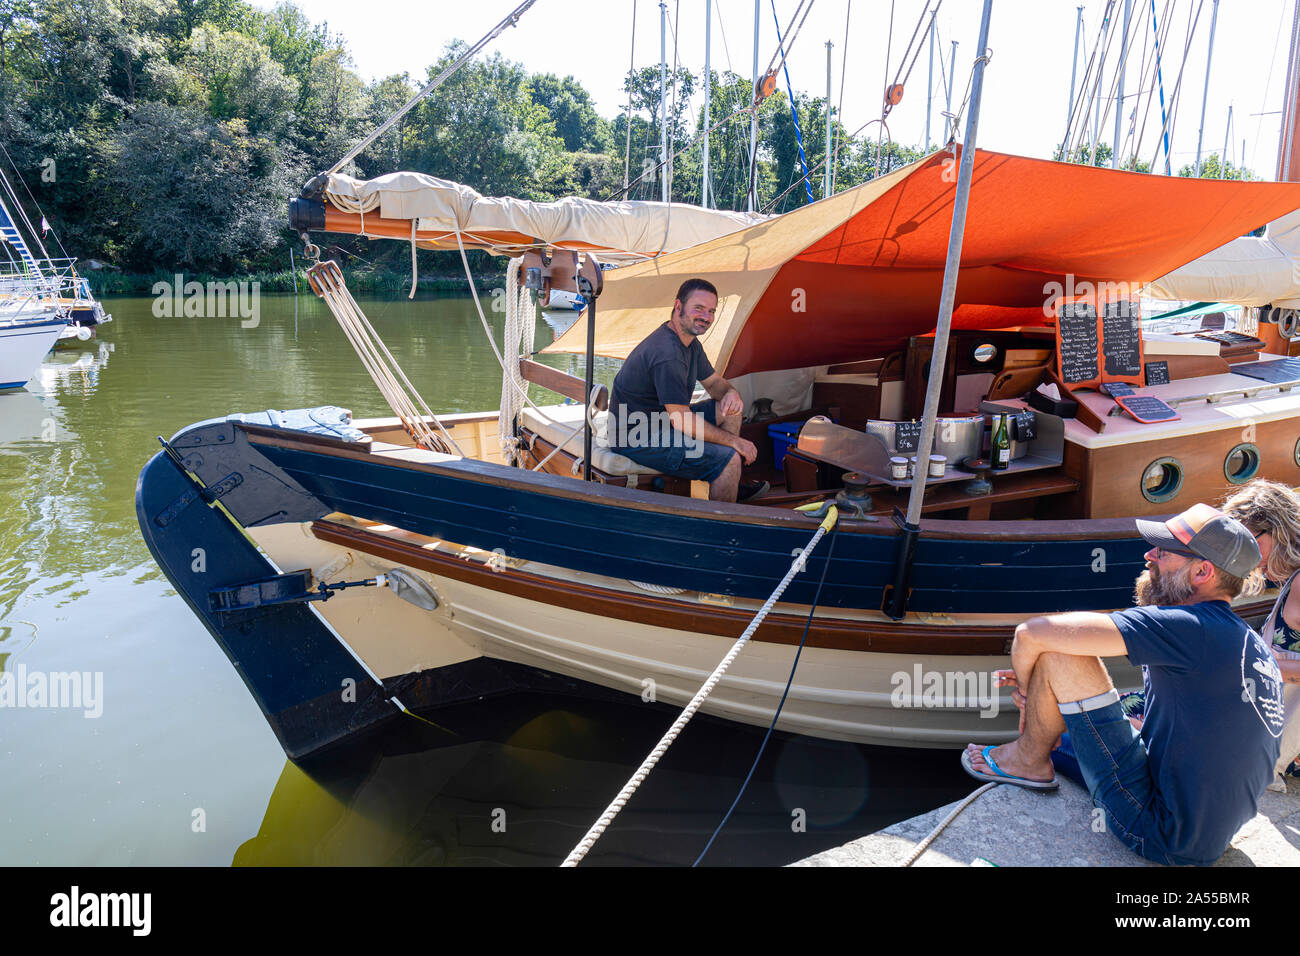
{"points": [[907, 436], [1023, 426], [1146, 409], [1076, 331], [1098, 338], [1116, 389], [1158, 373], [1121, 337]]}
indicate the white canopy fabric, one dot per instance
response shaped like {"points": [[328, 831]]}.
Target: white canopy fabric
{"points": [[1249, 270], [614, 231]]}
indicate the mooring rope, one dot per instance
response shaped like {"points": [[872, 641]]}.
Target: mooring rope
{"points": [[587, 842], [934, 834]]}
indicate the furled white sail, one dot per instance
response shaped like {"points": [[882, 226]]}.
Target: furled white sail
{"points": [[616, 231], [1249, 270]]}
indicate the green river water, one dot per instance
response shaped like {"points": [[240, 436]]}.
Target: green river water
{"points": [[173, 763]]}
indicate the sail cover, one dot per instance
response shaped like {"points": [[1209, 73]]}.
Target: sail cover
{"points": [[614, 231], [853, 276], [1249, 270]]}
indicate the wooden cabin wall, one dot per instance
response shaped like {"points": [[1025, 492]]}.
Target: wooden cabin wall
{"points": [[1111, 477]]}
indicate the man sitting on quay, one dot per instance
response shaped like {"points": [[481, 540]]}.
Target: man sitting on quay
{"points": [[1177, 791], [652, 420]]}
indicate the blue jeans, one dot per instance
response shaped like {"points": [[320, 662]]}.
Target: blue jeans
{"points": [[702, 461], [1104, 753]]}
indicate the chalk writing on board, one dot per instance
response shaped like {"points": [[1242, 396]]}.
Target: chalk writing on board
{"points": [[1157, 373], [1146, 408], [907, 436], [1116, 389], [1023, 427], [1078, 329], [1121, 336]]}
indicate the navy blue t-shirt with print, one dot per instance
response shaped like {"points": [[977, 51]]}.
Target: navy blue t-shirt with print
{"points": [[1213, 721], [660, 371]]}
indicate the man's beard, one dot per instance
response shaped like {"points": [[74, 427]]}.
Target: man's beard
{"points": [[1154, 588]]}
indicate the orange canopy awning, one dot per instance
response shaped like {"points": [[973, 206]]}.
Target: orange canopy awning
{"points": [[855, 275]]}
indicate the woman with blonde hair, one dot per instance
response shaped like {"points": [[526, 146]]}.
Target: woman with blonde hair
{"points": [[1272, 513]]}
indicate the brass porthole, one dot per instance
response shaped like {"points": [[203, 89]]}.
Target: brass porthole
{"points": [[1162, 480], [1296, 453], [1242, 463]]}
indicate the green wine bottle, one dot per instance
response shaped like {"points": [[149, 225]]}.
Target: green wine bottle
{"points": [[1000, 444]]}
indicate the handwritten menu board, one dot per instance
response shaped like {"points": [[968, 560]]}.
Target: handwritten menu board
{"points": [[1077, 341], [1121, 339], [1098, 338], [1147, 409], [1024, 426], [1158, 373], [907, 436]]}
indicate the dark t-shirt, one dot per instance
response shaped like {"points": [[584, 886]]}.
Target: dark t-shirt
{"points": [[660, 371], [1213, 721]]}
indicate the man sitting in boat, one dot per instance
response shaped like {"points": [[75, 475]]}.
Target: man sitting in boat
{"points": [[1178, 790], [652, 420]]}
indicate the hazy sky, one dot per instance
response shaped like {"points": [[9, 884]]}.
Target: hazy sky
{"points": [[1026, 87]]}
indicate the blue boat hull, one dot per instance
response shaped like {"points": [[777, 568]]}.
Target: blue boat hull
{"points": [[295, 665]]}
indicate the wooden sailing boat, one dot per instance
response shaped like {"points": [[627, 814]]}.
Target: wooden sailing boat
{"points": [[541, 573], [517, 572]]}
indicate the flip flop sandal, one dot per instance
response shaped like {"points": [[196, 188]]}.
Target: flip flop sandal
{"points": [[1001, 776]]}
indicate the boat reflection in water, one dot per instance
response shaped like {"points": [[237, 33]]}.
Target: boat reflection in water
{"points": [[77, 370], [425, 795], [24, 417]]}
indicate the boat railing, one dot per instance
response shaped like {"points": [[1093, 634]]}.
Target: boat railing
{"points": [[54, 278]]}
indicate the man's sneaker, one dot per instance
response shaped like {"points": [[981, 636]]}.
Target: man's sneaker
{"points": [[749, 490]]}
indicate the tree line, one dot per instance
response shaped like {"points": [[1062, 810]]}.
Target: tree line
{"points": [[159, 135], [169, 134]]}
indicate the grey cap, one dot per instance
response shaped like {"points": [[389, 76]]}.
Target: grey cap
{"points": [[1206, 532]]}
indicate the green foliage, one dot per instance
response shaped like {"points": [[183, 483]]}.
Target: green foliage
{"points": [[1213, 167], [178, 128], [482, 128], [195, 192], [570, 109]]}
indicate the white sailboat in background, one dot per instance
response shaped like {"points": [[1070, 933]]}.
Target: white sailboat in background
{"points": [[31, 318], [42, 300]]}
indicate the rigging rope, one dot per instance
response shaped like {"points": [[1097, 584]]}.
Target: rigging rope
{"points": [[915, 56], [519, 334], [838, 128], [519, 386], [783, 52], [1125, 48], [433, 84], [794, 112], [327, 282], [28, 190], [587, 842], [1153, 85], [631, 66], [1079, 115], [1164, 119], [1178, 83]]}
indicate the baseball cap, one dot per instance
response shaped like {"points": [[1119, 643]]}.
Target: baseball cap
{"points": [[1206, 532]]}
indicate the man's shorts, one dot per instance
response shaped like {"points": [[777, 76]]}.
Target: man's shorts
{"points": [[685, 457], [1105, 753]]}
